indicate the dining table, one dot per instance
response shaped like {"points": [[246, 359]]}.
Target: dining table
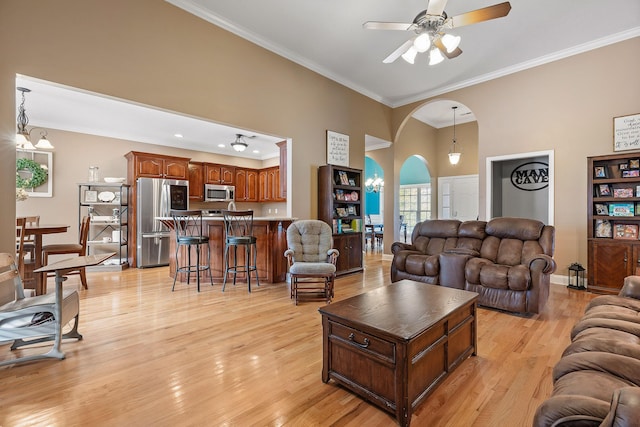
{"points": [[37, 231]]}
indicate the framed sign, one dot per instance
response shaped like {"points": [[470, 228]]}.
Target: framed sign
{"points": [[626, 132], [337, 149]]}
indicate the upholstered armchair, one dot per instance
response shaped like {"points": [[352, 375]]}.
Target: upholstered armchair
{"points": [[311, 259], [513, 268]]}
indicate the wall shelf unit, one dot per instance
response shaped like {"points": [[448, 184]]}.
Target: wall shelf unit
{"points": [[613, 220], [107, 205], [340, 206]]}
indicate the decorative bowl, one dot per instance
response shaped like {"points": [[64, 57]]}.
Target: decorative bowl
{"points": [[112, 180]]}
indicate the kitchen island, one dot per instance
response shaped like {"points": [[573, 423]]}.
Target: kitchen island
{"points": [[271, 235]]}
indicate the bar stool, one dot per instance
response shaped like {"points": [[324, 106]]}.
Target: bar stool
{"points": [[239, 232], [188, 227]]}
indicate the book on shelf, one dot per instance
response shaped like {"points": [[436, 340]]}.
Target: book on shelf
{"points": [[621, 209], [625, 231]]}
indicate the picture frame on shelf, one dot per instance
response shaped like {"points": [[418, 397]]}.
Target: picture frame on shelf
{"points": [[90, 196], [602, 209], [623, 166], [621, 209], [637, 190], [600, 172], [344, 179], [625, 231], [634, 164], [631, 173], [339, 194], [622, 193], [342, 212], [637, 211], [352, 182], [604, 190], [603, 228], [351, 210]]}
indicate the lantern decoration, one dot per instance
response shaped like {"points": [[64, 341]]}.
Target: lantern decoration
{"points": [[576, 277]]}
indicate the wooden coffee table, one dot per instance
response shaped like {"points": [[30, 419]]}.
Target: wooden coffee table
{"points": [[394, 344]]}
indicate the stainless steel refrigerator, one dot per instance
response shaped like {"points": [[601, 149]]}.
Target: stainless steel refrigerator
{"points": [[156, 197]]}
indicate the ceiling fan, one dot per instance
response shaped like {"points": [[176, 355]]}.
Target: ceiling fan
{"points": [[430, 27]]}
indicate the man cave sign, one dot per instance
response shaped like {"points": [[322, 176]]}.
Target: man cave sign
{"points": [[532, 176]]}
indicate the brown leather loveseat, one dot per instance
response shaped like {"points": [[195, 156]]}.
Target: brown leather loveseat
{"points": [[508, 261]]}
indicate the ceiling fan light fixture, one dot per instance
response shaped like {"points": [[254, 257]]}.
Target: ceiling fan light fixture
{"points": [[239, 144], [435, 56], [422, 43], [451, 42], [410, 55]]}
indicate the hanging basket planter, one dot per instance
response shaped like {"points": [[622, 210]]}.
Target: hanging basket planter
{"points": [[39, 174]]}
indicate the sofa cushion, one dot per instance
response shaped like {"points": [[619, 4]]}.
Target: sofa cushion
{"points": [[422, 265]]}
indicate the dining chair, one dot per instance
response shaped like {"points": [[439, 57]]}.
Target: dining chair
{"points": [[311, 259], [25, 266], [29, 240], [239, 233], [188, 226], [79, 249]]}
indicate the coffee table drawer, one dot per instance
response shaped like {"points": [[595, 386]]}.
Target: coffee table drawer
{"points": [[360, 341]]}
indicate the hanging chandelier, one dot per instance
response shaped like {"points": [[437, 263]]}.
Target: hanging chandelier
{"points": [[374, 185], [239, 144], [23, 136], [454, 153]]}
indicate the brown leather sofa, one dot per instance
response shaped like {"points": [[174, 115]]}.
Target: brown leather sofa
{"points": [[508, 261], [597, 380]]}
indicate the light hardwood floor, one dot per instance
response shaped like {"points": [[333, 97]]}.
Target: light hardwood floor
{"points": [[151, 357]]}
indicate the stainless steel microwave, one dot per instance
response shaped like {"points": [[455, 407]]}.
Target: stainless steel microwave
{"points": [[219, 193]]}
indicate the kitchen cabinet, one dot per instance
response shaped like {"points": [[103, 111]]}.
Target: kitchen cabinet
{"points": [[219, 174], [107, 206], [246, 182], [269, 185], [156, 166], [196, 181], [613, 220], [340, 206]]}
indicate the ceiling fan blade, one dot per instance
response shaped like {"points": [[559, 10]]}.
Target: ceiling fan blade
{"points": [[480, 15], [375, 25], [436, 7], [438, 43], [398, 52]]}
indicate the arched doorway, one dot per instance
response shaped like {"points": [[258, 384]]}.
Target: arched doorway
{"points": [[414, 195]]}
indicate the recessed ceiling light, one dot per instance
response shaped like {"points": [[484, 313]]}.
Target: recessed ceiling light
{"points": [[256, 151], [177, 135], [221, 145]]}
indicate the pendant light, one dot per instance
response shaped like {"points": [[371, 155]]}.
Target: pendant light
{"points": [[23, 136], [454, 153]]}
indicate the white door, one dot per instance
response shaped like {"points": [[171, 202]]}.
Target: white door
{"points": [[458, 197]]}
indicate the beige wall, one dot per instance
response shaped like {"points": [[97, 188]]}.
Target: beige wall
{"points": [[153, 53]]}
